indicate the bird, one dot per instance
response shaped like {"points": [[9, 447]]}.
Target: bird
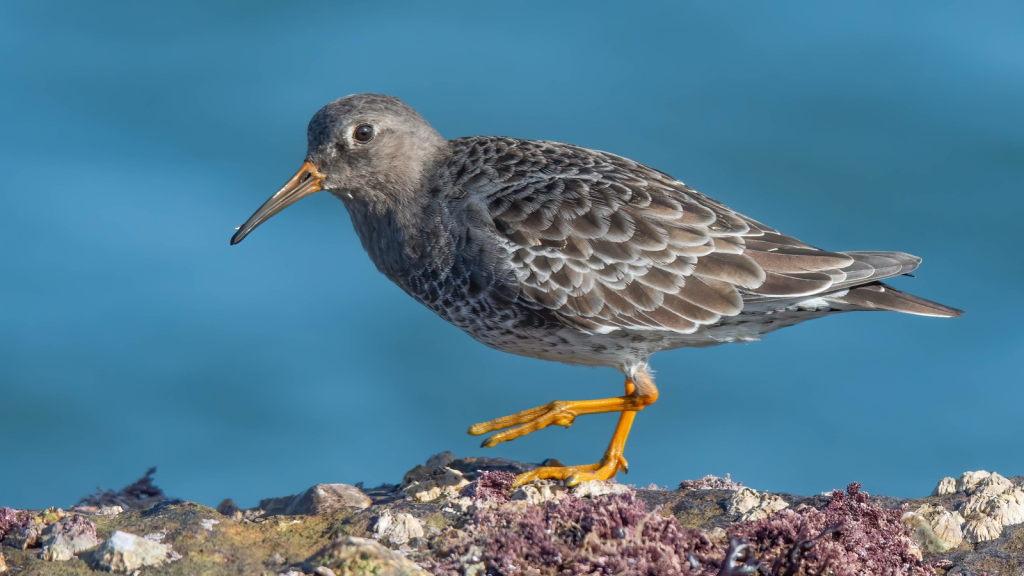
{"points": [[564, 253]]}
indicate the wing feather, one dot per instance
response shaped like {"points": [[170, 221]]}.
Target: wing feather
{"points": [[605, 243]]}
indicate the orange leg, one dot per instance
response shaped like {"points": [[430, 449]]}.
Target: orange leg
{"points": [[640, 393]]}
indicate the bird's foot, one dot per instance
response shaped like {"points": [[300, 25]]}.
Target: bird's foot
{"points": [[573, 475], [559, 412]]}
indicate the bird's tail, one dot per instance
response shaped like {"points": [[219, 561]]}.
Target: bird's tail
{"points": [[879, 296]]}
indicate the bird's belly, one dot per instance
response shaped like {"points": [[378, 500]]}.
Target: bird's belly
{"points": [[522, 332]]}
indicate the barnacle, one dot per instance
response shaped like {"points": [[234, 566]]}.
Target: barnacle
{"points": [[980, 528], [753, 505], [936, 529], [946, 486]]}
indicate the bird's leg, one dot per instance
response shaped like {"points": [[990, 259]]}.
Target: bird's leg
{"points": [[564, 412], [640, 393]]}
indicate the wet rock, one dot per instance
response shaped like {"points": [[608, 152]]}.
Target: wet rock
{"points": [[124, 552], [319, 499], [353, 556], [935, 528], [64, 539], [442, 482], [397, 529]]}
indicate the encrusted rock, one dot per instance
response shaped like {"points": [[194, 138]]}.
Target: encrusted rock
{"points": [[227, 507], [319, 499], [936, 529], [3, 563], [441, 482], [490, 486], [28, 534], [124, 552], [946, 486], [993, 484], [422, 471], [983, 482], [1003, 508], [63, 540], [711, 482], [980, 528], [540, 492], [460, 505], [594, 488], [441, 459], [397, 528], [753, 505], [968, 480], [358, 556]]}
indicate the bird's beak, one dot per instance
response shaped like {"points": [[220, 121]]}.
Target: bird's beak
{"points": [[305, 182]]}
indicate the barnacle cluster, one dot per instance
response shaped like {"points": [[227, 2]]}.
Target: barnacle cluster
{"points": [[993, 502]]}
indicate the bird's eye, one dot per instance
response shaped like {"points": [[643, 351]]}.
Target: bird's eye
{"points": [[363, 133]]}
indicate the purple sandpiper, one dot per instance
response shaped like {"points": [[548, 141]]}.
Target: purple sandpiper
{"points": [[563, 253]]}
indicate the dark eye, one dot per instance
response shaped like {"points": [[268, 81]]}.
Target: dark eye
{"points": [[363, 133]]}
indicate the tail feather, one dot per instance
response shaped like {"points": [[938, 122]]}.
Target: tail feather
{"points": [[871, 266], [879, 296]]}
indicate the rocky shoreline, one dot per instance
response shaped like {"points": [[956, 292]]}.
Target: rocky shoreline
{"points": [[455, 516]]}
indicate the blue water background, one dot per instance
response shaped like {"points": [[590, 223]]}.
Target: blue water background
{"points": [[134, 137]]}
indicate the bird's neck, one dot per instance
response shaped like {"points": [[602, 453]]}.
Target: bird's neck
{"points": [[403, 236]]}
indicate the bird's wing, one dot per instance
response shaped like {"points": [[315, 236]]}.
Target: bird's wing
{"points": [[606, 243]]}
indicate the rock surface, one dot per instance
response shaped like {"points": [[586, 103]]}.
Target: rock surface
{"points": [[124, 552], [460, 516], [319, 499]]}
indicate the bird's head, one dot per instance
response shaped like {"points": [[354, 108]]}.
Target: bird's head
{"points": [[368, 148]]}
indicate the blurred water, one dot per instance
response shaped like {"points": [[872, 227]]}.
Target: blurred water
{"points": [[136, 136]]}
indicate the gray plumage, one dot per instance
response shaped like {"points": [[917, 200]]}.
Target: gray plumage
{"points": [[563, 253]]}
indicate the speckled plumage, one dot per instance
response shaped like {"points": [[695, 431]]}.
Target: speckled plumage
{"points": [[563, 253], [558, 252]]}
